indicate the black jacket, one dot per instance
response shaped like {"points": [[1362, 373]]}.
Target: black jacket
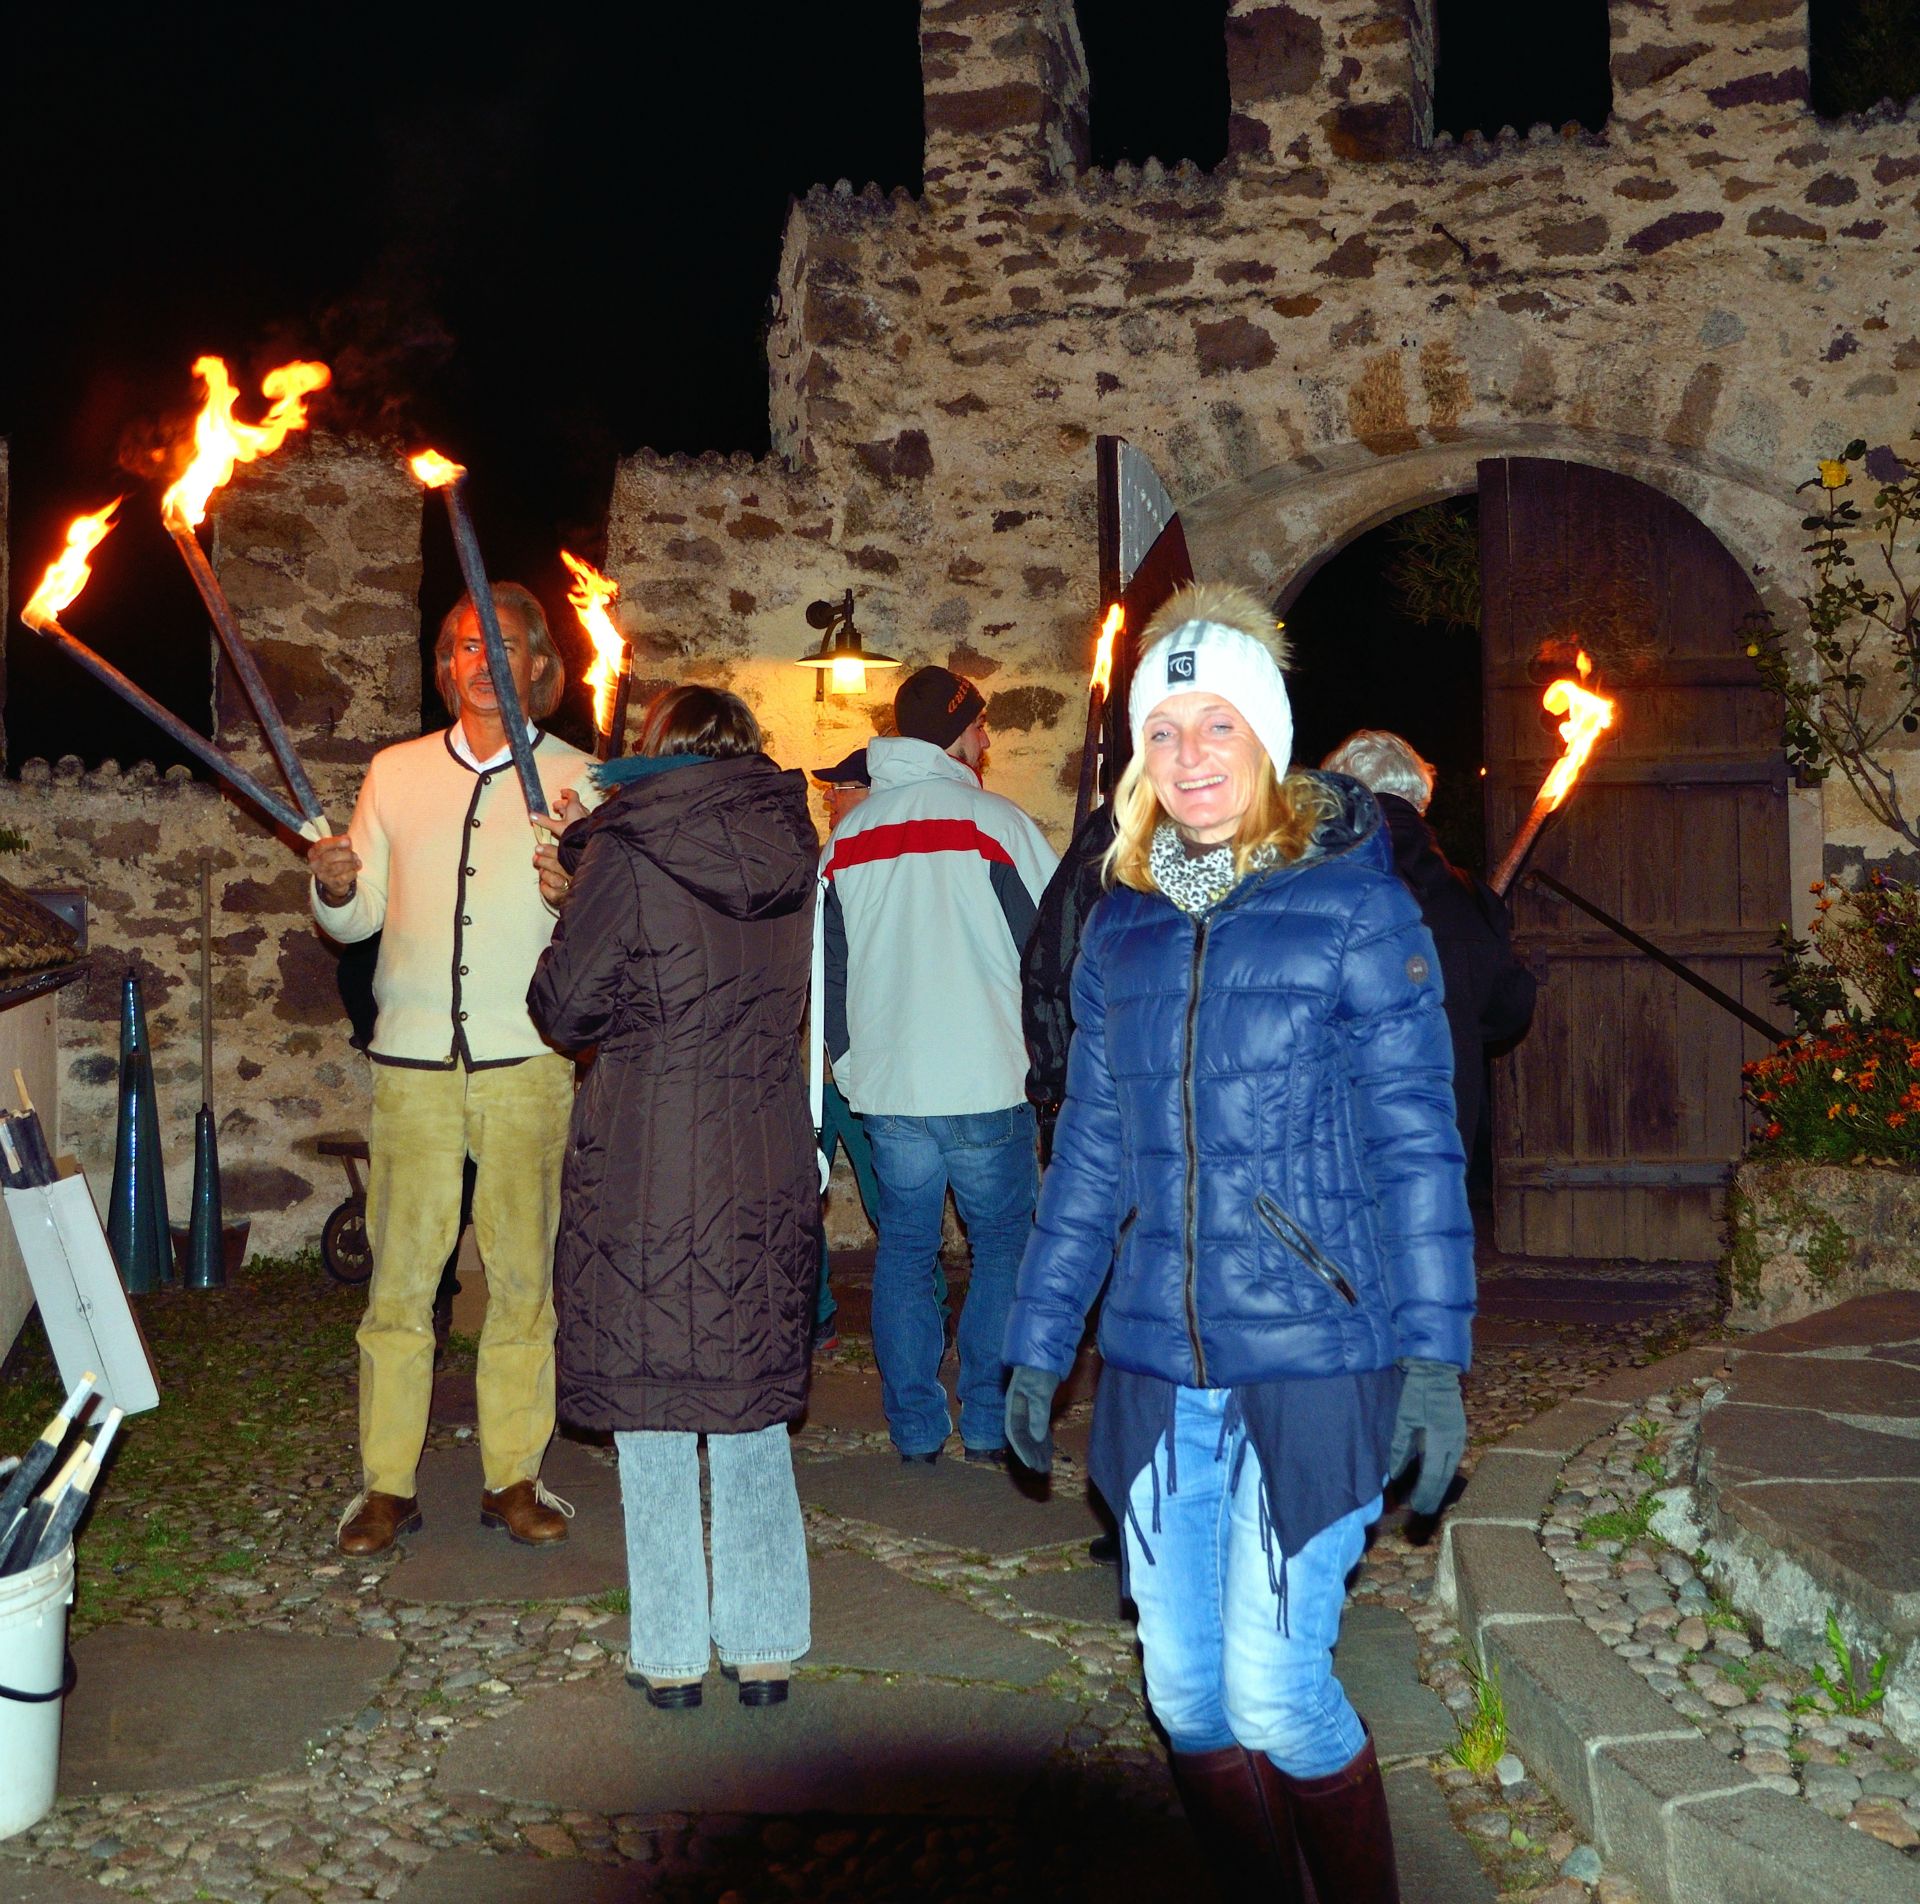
{"points": [[1490, 994], [689, 1205], [1046, 965]]}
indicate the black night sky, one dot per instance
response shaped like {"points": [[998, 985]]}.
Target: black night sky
{"points": [[534, 239]]}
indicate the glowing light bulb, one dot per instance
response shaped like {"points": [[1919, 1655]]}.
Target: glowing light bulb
{"points": [[848, 675]]}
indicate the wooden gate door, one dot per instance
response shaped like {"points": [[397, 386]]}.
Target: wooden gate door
{"points": [[1617, 1121]]}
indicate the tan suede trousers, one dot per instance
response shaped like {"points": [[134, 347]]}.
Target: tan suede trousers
{"points": [[512, 1119]]}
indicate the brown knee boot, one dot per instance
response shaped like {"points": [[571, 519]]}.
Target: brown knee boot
{"points": [[1241, 1819], [1343, 1831]]}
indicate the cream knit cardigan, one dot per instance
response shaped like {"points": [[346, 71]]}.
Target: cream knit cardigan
{"points": [[446, 868]]}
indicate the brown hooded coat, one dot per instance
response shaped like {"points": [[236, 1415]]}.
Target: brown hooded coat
{"points": [[688, 1232]]}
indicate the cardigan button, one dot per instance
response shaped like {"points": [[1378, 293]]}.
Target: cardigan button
{"points": [[466, 919], [463, 1018], [469, 872], [464, 970]]}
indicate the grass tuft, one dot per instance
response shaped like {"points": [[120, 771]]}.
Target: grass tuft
{"points": [[1483, 1733]]}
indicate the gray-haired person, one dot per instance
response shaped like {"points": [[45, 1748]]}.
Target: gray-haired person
{"points": [[1489, 993]]}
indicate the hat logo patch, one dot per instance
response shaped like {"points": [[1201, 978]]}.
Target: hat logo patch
{"points": [[1180, 666]]}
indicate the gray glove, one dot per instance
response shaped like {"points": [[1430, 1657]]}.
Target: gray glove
{"points": [[1432, 1416], [1030, 1417]]}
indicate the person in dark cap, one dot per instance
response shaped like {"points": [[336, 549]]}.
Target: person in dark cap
{"points": [[931, 889], [845, 785]]}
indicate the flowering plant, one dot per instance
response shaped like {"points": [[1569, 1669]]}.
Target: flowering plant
{"points": [[1847, 1089], [1844, 1096], [1848, 669]]}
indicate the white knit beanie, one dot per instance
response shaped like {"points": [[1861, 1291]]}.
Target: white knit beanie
{"points": [[1215, 646]]}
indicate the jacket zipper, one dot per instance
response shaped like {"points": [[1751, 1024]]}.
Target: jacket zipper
{"points": [[1193, 1158], [1303, 1246]]}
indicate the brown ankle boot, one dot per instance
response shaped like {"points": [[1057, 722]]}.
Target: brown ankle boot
{"points": [[1242, 1824], [1343, 1831]]}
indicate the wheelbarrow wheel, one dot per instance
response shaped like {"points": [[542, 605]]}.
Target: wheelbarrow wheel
{"points": [[344, 1247]]}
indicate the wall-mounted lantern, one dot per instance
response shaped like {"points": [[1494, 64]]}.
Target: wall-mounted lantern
{"points": [[840, 662]]}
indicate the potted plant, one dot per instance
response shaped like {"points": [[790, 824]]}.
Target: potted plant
{"points": [[1826, 1203]]}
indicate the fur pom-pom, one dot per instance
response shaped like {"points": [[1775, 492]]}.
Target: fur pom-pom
{"points": [[1223, 602]]}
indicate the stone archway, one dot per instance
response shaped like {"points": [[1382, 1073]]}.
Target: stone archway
{"points": [[1273, 529]]}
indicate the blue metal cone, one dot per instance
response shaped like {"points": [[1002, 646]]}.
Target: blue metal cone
{"points": [[206, 1266], [140, 1253], [152, 1183]]}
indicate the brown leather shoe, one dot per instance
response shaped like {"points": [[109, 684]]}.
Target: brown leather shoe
{"points": [[375, 1521], [528, 1512]]}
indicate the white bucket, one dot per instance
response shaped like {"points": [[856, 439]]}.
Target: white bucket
{"points": [[33, 1651]]}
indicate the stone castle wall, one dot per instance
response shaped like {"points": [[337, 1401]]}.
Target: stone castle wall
{"points": [[1334, 325]]}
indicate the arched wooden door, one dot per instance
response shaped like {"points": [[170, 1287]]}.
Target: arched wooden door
{"points": [[1618, 1120]]}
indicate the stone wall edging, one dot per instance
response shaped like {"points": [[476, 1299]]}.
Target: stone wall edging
{"points": [[1655, 1798]]}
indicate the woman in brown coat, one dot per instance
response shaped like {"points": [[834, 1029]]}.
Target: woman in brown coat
{"points": [[687, 1245]]}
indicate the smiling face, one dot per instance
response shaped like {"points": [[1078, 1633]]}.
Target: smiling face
{"points": [[1203, 762]]}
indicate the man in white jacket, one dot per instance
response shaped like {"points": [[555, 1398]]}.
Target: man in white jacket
{"points": [[932, 885], [441, 855]]}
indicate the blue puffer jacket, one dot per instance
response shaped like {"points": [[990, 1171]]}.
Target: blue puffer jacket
{"points": [[1258, 1137]]}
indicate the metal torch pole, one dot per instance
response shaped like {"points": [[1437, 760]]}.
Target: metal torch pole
{"points": [[473, 571], [1089, 756], [1515, 857], [244, 665], [169, 724], [614, 741]]}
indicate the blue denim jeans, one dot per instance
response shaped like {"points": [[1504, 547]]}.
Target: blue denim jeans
{"points": [[988, 1158], [762, 1605], [1220, 1669], [841, 1129]]}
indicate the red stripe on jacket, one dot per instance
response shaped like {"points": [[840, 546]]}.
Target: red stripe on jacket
{"points": [[915, 836]]}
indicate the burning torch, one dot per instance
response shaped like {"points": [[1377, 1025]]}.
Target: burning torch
{"points": [[221, 442], [58, 589], [1588, 716], [437, 472], [611, 677], [1116, 620]]}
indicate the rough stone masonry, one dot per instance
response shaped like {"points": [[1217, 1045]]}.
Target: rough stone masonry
{"points": [[1335, 324]]}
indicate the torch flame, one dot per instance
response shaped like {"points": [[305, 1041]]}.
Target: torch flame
{"points": [[1589, 715], [435, 470], [591, 596], [220, 442], [67, 574], [1103, 653]]}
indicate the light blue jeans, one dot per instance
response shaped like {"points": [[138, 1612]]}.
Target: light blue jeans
{"points": [[1220, 1669], [988, 1158], [761, 1608]]}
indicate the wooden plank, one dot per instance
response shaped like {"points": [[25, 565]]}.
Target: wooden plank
{"points": [[1619, 1176]]}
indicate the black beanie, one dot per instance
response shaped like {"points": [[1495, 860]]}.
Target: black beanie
{"points": [[937, 705]]}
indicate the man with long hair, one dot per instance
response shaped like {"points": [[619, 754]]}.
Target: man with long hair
{"points": [[440, 859]]}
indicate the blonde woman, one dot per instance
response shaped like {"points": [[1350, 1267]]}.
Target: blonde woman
{"points": [[1258, 1144]]}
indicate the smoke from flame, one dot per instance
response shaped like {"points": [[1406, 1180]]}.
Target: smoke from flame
{"points": [[1103, 653], [435, 470], [590, 597], [220, 441], [1589, 715], [67, 574]]}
